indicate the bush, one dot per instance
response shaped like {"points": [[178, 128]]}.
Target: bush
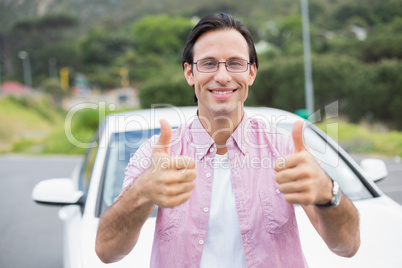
{"points": [[334, 77], [169, 88], [377, 93], [53, 88], [380, 46], [280, 82], [370, 92]]}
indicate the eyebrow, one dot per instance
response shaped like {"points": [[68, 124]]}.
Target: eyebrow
{"points": [[231, 58]]}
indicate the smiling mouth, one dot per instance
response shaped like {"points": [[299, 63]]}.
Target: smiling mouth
{"points": [[221, 92]]}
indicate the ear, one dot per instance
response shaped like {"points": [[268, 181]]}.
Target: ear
{"points": [[188, 74], [253, 74]]}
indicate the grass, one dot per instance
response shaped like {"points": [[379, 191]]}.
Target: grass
{"points": [[38, 127], [21, 118], [366, 138]]}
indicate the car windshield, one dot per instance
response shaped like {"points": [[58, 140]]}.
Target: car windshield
{"points": [[123, 145]]}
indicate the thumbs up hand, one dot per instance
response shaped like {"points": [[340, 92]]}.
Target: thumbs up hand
{"points": [[169, 179], [299, 176]]}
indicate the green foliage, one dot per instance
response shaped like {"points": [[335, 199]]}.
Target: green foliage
{"points": [[101, 47], [280, 84], [376, 93], [103, 79], [286, 35], [170, 88], [333, 77], [49, 27], [56, 21], [53, 88], [65, 54], [380, 46], [83, 125], [141, 67], [38, 106], [369, 91], [348, 11], [162, 35], [28, 118], [23, 145], [86, 118]]}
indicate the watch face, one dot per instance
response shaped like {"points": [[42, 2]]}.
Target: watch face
{"points": [[336, 198], [337, 194]]}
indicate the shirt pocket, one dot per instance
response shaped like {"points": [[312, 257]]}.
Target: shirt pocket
{"points": [[279, 215], [168, 221]]}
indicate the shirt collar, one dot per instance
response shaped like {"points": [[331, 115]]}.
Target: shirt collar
{"points": [[203, 142]]}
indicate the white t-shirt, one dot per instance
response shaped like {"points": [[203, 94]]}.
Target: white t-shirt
{"points": [[223, 245]]}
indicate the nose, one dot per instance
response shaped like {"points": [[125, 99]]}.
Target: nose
{"points": [[222, 75]]}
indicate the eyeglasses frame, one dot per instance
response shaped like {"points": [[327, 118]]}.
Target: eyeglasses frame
{"points": [[217, 67]]}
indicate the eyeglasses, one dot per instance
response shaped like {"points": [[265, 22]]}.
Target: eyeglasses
{"points": [[211, 65]]}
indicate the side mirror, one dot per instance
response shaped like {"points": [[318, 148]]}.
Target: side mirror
{"points": [[375, 168], [57, 192]]}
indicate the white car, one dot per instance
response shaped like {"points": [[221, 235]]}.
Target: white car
{"points": [[98, 181]]}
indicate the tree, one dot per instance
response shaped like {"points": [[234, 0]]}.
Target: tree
{"points": [[32, 35], [162, 35], [101, 47]]}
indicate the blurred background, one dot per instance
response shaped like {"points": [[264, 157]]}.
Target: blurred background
{"points": [[56, 54]]}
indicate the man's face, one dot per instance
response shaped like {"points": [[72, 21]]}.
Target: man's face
{"points": [[221, 92]]}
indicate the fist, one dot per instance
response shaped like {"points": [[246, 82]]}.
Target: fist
{"points": [[169, 179], [299, 176]]}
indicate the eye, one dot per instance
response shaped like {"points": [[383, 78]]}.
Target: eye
{"points": [[235, 63], [208, 63]]}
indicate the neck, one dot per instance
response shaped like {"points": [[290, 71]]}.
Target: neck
{"points": [[220, 127]]}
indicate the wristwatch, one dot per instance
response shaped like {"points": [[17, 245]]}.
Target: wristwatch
{"points": [[336, 198]]}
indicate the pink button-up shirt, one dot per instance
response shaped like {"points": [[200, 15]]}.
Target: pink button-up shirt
{"points": [[267, 222]]}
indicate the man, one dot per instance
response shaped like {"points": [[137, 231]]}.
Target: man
{"points": [[212, 211]]}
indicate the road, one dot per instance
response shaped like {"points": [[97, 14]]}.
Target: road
{"points": [[31, 234]]}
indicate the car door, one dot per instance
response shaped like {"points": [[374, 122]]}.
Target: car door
{"points": [[72, 215]]}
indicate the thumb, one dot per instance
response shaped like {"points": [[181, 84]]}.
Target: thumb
{"points": [[297, 134], [162, 146]]}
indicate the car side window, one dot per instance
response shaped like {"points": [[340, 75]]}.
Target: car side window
{"points": [[87, 168]]}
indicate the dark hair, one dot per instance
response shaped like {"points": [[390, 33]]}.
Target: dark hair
{"points": [[217, 22]]}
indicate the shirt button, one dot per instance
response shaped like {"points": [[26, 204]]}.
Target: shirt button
{"points": [[206, 209], [211, 150], [208, 175], [201, 242], [277, 190]]}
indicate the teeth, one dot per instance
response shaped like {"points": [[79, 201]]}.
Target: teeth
{"points": [[222, 92]]}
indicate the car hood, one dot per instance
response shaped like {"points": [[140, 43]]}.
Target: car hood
{"points": [[380, 231]]}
